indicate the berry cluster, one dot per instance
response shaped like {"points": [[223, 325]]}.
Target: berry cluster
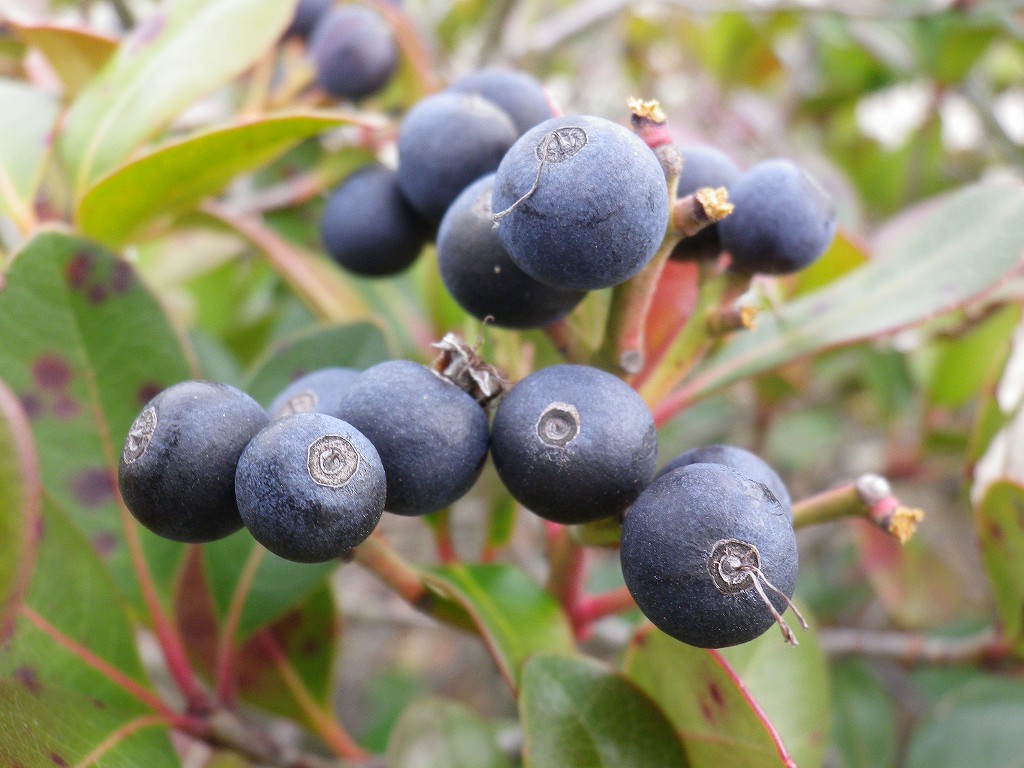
{"points": [[529, 212]]}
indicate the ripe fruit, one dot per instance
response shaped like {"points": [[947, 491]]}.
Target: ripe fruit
{"points": [[446, 142], [581, 202], [431, 436], [308, 14], [743, 461], [368, 227], [573, 443], [177, 468], [310, 487], [317, 392], [709, 556], [517, 93], [703, 166], [482, 278], [782, 219], [354, 52]]}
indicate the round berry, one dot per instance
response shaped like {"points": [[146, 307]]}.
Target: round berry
{"points": [[520, 95], [446, 142], [354, 52], [573, 443], [706, 552], [782, 220], [319, 391], [581, 203], [310, 487], [703, 166], [368, 227], [177, 468], [482, 278], [308, 14], [743, 461], [431, 435]]}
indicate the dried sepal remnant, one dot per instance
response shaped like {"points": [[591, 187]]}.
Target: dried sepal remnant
{"points": [[460, 364], [647, 109], [559, 424], [140, 435], [332, 461]]}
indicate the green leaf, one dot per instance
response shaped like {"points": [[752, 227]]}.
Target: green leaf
{"points": [[999, 521], [977, 724], [717, 720], [27, 116], [355, 345], [434, 733], [864, 721], [577, 714], [20, 501], [85, 346], [175, 177], [278, 586], [932, 267], [792, 687], [183, 50], [514, 615], [966, 363], [76, 55], [54, 707], [306, 635]]}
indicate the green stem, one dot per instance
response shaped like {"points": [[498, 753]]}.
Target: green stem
{"points": [[869, 497]]}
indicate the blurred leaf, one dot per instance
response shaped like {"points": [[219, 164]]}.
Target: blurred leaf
{"points": [[177, 176], [183, 50], [999, 519], [516, 618], [357, 345], [844, 255], [864, 722], [307, 635], [968, 361], [434, 733], [278, 586], [950, 43], [85, 346], [76, 55], [576, 714], [735, 48], [792, 687], [20, 507], [915, 585], [54, 707], [27, 117], [977, 724], [389, 692], [929, 270], [705, 700]]}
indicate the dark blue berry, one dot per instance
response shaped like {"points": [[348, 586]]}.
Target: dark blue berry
{"points": [[703, 166], [699, 546], [582, 203], [368, 227], [482, 278], [573, 443], [446, 142], [177, 468], [519, 94], [319, 391], [431, 435], [743, 461], [354, 52], [308, 14], [782, 220], [310, 487]]}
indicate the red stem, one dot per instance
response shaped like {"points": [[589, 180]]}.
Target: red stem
{"points": [[105, 668], [591, 608], [119, 735]]}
